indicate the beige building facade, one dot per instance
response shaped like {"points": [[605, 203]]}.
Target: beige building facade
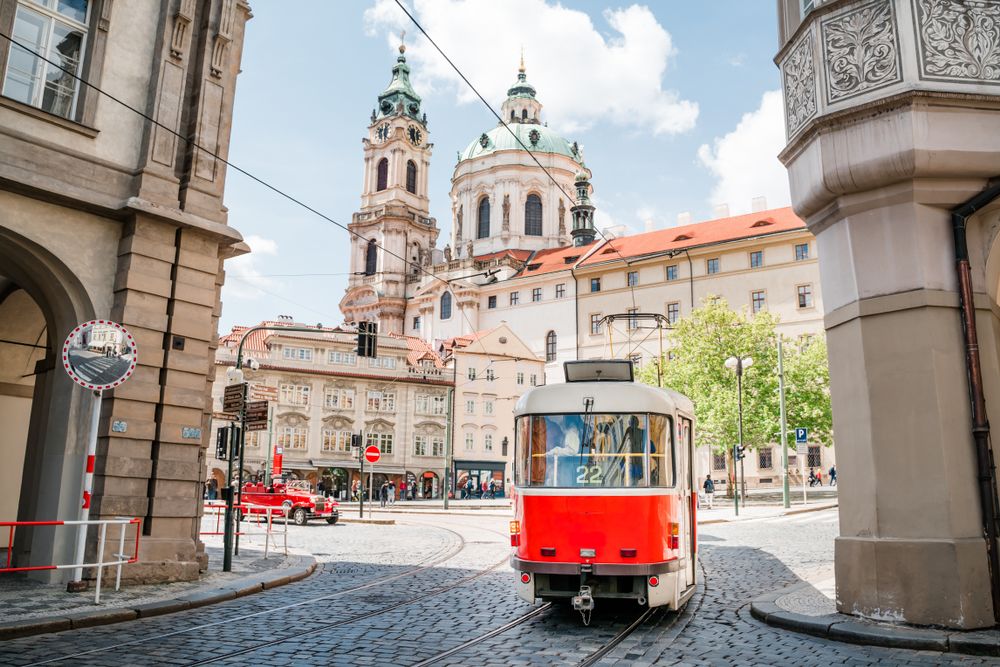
{"points": [[893, 121], [397, 402], [108, 216]]}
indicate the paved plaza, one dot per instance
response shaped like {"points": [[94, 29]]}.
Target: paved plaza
{"points": [[406, 593]]}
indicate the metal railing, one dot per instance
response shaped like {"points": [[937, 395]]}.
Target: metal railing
{"points": [[122, 558], [259, 520]]}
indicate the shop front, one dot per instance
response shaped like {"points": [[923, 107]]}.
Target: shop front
{"points": [[481, 474]]}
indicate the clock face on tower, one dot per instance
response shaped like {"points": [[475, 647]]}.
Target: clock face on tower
{"points": [[415, 136], [382, 133]]}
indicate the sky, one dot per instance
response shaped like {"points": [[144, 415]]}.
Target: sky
{"points": [[677, 106]]}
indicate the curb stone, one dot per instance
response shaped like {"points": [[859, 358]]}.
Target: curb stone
{"points": [[790, 512], [302, 567], [844, 628]]}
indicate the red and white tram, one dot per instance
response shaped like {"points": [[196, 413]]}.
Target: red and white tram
{"points": [[604, 490]]}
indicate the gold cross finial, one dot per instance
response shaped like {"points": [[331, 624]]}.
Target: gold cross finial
{"points": [[402, 41], [521, 68]]}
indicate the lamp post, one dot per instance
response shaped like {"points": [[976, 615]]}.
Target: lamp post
{"points": [[738, 364]]}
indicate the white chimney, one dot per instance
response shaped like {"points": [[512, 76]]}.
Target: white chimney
{"points": [[758, 204], [648, 224], [684, 218], [721, 210]]}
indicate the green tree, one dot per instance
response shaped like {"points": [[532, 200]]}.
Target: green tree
{"points": [[807, 391]]}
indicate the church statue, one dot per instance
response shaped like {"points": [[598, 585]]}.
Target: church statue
{"points": [[562, 218], [447, 253], [506, 213], [458, 225], [373, 115], [468, 249], [428, 257]]}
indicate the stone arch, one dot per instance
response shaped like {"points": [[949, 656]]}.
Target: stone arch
{"points": [[47, 412]]}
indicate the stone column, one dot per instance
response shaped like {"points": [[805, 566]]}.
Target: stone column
{"points": [[884, 137]]}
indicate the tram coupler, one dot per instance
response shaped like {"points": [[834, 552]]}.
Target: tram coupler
{"points": [[584, 601]]}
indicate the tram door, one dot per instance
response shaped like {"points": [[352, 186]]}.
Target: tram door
{"points": [[686, 445]]}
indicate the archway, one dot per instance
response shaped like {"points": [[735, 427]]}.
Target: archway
{"points": [[335, 482], [45, 416], [429, 485]]}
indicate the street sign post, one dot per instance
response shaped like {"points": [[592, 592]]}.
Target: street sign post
{"points": [[372, 454], [263, 392], [801, 451], [256, 416], [234, 396]]}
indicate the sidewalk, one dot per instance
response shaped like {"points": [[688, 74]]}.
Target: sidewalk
{"points": [[31, 607]]}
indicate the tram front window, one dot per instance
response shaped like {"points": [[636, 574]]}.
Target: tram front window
{"points": [[594, 450]]}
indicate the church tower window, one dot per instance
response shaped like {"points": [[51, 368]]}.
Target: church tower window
{"points": [[411, 176], [524, 114], [382, 174], [483, 228], [371, 257], [533, 215], [550, 346], [446, 306]]}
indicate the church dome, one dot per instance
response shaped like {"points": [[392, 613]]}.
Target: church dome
{"points": [[538, 138]]}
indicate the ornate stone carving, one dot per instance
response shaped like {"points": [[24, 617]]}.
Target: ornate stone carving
{"points": [[220, 48], [798, 80], [468, 250], [562, 218], [861, 50], [447, 253], [182, 23], [506, 213], [458, 224], [959, 39]]}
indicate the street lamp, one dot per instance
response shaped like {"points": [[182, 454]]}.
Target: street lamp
{"points": [[738, 364]]}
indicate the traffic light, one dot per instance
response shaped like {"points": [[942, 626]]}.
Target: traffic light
{"points": [[368, 339], [739, 452], [222, 443]]}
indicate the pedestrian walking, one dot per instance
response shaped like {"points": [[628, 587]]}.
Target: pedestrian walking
{"points": [[493, 489], [709, 487], [392, 493], [383, 494], [819, 478], [833, 475], [812, 477]]}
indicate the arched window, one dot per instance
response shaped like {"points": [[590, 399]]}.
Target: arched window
{"points": [[533, 216], [512, 116], [524, 114], [370, 258], [446, 306], [411, 177], [383, 174], [483, 229], [550, 346]]}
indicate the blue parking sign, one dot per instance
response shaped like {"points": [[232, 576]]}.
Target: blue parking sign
{"points": [[801, 436]]}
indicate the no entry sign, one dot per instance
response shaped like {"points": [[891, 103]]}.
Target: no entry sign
{"points": [[372, 454]]}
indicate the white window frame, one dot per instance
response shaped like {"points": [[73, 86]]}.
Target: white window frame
{"points": [[297, 353], [470, 442], [437, 446], [487, 442], [293, 437], [342, 358], [294, 394]]}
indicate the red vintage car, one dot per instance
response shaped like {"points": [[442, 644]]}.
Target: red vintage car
{"points": [[294, 499]]}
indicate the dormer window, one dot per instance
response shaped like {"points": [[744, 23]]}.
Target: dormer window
{"points": [[682, 237], [762, 223]]}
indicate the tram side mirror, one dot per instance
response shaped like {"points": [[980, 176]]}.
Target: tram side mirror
{"points": [[99, 354]]}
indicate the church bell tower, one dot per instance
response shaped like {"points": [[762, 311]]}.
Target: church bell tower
{"points": [[393, 235]]}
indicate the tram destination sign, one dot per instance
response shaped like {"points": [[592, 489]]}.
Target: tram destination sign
{"points": [[256, 415], [234, 397]]}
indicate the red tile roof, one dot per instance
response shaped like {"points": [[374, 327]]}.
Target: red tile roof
{"points": [[464, 340], [698, 234], [554, 259], [518, 254]]}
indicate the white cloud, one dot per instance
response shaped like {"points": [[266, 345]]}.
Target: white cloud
{"points": [[582, 76], [745, 161], [248, 280]]}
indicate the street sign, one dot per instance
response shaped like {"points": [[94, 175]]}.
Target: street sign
{"points": [[372, 454], [801, 436], [233, 397], [256, 415], [263, 392]]}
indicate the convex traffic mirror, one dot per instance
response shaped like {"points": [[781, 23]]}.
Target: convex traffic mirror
{"points": [[99, 354]]}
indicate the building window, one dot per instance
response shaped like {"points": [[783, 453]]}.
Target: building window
{"points": [[58, 31], [343, 358], [491, 302], [381, 440], [437, 446], [595, 324], [801, 251], [488, 406], [533, 379], [445, 310], [672, 272], [718, 461], [520, 378], [756, 259], [560, 290], [294, 394], [488, 442], [489, 375], [633, 321], [411, 176], [765, 458], [632, 278], [336, 441], [383, 175], [297, 353], [371, 258], [536, 294], [293, 437], [382, 362], [472, 373], [416, 322], [550, 346], [381, 401], [420, 445], [470, 442], [470, 406], [758, 301], [483, 229], [533, 216], [426, 404], [339, 399], [712, 265], [805, 296], [514, 298], [815, 459], [673, 312], [595, 284]]}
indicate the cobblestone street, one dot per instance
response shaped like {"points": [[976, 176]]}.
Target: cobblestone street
{"points": [[407, 593]]}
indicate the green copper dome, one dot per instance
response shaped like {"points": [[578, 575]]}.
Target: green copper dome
{"points": [[399, 92], [538, 138]]}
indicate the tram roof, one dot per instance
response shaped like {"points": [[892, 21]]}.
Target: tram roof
{"points": [[628, 397]]}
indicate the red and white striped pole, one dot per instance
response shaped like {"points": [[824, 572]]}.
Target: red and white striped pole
{"points": [[88, 488]]}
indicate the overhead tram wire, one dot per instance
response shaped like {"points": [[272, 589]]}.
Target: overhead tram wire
{"points": [[213, 154], [512, 132]]}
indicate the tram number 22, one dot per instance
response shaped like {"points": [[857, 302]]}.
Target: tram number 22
{"points": [[588, 474]]}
